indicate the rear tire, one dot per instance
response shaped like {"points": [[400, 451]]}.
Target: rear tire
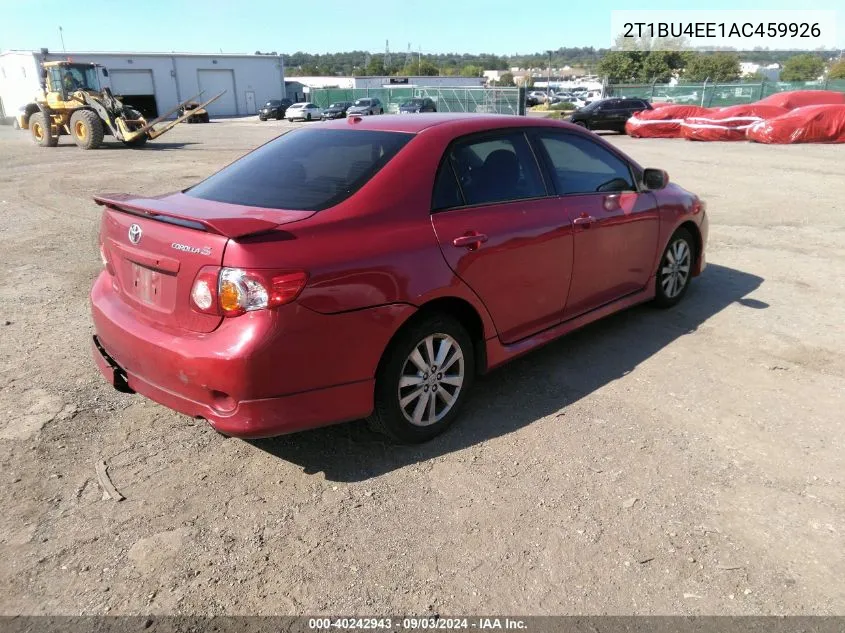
{"points": [[308, 117], [42, 132], [674, 271], [86, 128], [410, 386]]}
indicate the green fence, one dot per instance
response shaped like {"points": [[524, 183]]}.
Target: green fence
{"points": [[481, 100], [717, 94]]}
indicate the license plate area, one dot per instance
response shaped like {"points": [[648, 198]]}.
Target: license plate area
{"points": [[146, 284]]}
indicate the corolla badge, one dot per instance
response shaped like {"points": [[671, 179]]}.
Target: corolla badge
{"points": [[194, 250], [135, 233]]}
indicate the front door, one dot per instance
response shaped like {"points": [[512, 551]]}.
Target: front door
{"points": [[250, 102], [615, 226], [502, 234]]}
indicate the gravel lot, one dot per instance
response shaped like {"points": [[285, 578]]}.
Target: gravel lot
{"points": [[686, 462]]}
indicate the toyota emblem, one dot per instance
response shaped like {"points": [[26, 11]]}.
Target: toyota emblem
{"points": [[135, 233]]}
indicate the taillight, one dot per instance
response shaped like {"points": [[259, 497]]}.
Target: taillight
{"points": [[234, 291]]}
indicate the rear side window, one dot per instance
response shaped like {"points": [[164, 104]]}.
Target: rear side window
{"points": [[582, 166], [306, 170], [447, 194], [498, 169]]}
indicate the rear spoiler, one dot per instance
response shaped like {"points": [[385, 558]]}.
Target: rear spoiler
{"points": [[231, 225]]}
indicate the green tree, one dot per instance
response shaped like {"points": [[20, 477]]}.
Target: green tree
{"points": [[471, 70], [837, 70], [715, 67], [506, 79], [621, 66], [375, 67], [802, 68]]}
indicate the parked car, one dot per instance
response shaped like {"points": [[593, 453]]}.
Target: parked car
{"points": [[608, 114], [417, 105], [306, 111], [337, 110], [539, 95], [374, 267], [275, 109], [368, 106]]}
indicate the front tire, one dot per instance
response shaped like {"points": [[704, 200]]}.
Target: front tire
{"points": [[423, 380], [41, 130], [86, 129], [138, 141], [674, 271]]}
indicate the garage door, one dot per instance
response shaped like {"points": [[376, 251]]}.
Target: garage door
{"points": [[136, 88], [215, 81]]}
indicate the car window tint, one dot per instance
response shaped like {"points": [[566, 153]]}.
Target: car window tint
{"points": [[303, 170], [582, 166], [447, 194], [497, 170]]}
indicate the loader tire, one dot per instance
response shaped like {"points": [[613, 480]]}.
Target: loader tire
{"points": [[87, 129], [41, 130]]}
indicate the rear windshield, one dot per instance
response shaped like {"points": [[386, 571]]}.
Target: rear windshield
{"points": [[307, 170]]}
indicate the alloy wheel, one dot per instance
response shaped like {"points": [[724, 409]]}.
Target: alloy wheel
{"points": [[675, 268], [431, 380]]}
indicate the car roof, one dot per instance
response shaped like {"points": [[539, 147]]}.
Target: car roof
{"points": [[460, 123]]}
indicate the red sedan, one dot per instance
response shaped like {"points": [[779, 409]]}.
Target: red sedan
{"points": [[372, 267]]}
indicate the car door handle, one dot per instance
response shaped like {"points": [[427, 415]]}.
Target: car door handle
{"points": [[584, 220], [470, 240]]}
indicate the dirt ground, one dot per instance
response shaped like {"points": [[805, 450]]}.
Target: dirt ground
{"points": [[684, 462]]}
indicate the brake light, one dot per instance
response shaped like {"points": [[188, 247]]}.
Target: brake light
{"points": [[233, 291]]}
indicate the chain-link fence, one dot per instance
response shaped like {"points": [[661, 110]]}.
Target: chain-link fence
{"points": [[481, 100], [717, 94]]}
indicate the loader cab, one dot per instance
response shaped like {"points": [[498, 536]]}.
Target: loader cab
{"points": [[65, 78]]}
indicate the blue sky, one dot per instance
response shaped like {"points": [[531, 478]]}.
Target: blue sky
{"points": [[287, 26]]}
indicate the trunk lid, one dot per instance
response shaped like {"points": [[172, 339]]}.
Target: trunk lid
{"points": [[157, 246]]}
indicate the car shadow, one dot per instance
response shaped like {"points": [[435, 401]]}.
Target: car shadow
{"points": [[529, 388]]}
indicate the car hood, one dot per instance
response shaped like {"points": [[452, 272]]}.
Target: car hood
{"points": [[359, 108]]}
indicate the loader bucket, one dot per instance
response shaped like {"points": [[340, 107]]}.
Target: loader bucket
{"points": [[153, 133]]}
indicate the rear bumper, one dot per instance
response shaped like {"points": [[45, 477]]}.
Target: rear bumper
{"points": [[262, 374], [250, 419]]}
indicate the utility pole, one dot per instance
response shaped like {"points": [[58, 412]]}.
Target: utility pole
{"points": [[62, 35], [419, 61], [549, 76]]}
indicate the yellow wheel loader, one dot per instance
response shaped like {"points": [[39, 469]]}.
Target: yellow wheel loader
{"points": [[72, 102]]}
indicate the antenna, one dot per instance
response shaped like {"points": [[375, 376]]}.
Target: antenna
{"points": [[62, 35]]}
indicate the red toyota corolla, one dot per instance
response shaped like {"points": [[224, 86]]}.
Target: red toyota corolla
{"points": [[372, 267]]}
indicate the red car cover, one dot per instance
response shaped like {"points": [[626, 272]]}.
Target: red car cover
{"points": [[664, 122], [810, 124], [801, 98], [728, 124]]}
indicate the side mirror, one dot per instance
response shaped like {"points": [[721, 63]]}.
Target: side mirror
{"points": [[655, 179], [105, 72]]}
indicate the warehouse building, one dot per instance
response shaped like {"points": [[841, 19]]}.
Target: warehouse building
{"points": [[155, 82]]}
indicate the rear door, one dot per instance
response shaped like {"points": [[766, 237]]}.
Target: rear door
{"points": [[502, 234], [615, 226]]}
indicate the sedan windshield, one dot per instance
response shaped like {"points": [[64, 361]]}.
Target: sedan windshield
{"points": [[413, 103], [363, 102], [306, 170], [272, 104]]}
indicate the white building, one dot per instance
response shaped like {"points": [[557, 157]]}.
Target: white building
{"points": [[155, 82]]}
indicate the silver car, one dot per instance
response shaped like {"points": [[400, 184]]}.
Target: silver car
{"points": [[366, 106]]}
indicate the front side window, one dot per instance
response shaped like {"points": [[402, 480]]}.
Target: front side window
{"points": [[496, 169], [582, 166], [307, 170]]}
